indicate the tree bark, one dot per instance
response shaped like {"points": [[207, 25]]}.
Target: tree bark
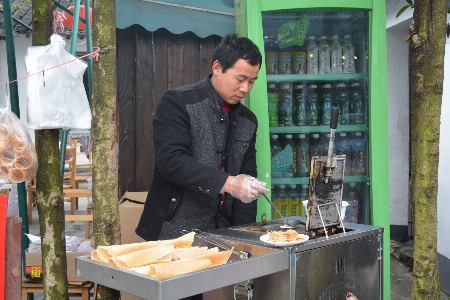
{"points": [[50, 201], [427, 74], [104, 133]]}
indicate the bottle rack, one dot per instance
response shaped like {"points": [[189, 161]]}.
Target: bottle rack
{"points": [[315, 77], [319, 128]]}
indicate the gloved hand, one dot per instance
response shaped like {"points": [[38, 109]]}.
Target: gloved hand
{"points": [[247, 188]]}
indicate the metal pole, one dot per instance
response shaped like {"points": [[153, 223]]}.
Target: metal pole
{"points": [[12, 74], [89, 48], [73, 51]]}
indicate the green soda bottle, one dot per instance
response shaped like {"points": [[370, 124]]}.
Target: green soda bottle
{"points": [[314, 105], [302, 157], [283, 202], [299, 109], [342, 98], [274, 198], [273, 99], [357, 104], [293, 167], [327, 103], [315, 146], [285, 105], [294, 199]]}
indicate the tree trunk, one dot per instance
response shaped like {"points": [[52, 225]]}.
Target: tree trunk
{"points": [[50, 202], [104, 133], [427, 74]]}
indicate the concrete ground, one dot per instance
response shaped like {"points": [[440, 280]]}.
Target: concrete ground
{"points": [[401, 278]]}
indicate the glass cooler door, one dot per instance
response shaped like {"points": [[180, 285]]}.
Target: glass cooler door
{"points": [[317, 60]]}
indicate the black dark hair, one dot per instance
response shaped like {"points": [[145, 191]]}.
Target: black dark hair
{"points": [[232, 48]]}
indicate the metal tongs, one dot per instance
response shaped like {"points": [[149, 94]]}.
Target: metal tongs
{"points": [[203, 235]]}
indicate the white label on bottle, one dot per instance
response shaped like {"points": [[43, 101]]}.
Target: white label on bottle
{"points": [[349, 58], [324, 58], [336, 58], [312, 59]]}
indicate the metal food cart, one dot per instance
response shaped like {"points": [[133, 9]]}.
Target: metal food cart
{"points": [[323, 267]]}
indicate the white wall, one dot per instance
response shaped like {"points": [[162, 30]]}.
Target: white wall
{"points": [[21, 45], [397, 30], [392, 8], [398, 110], [444, 164], [398, 128]]}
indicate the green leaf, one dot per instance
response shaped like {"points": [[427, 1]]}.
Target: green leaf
{"points": [[410, 2], [402, 10]]}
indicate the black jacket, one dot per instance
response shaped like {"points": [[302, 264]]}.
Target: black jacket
{"points": [[189, 133]]}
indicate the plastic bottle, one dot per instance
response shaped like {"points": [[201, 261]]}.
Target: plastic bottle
{"points": [[292, 169], [348, 55], [299, 60], [285, 105], [312, 56], [283, 202], [271, 49], [275, 148], [303, 161], [315, 147], [273, 100], [303, 196], [275, 145], [324, 56], [342, 97], [358, 153], [325, 142], [357, 105], [285, 61], [314, 105], [294, 199], [352, 214], [343, 147], [274, 197], [327, 103], [336, 55], [299, 109]]}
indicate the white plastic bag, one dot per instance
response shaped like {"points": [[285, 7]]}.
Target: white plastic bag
{"points": [[56, 97]]}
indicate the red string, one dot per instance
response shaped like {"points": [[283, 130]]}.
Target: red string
{"points": [[91, 55], [58, 18]]}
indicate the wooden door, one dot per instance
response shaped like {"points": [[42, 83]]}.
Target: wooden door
{"points": [[149, 63]]}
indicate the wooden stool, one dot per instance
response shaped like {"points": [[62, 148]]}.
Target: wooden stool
{"points": [[81, 218], [38, 287]]}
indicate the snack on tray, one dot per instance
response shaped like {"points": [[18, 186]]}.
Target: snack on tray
{"points": [[285, 236], [162, 259]]}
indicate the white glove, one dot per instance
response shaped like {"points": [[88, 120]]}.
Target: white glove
{"points": [[247, 188]]}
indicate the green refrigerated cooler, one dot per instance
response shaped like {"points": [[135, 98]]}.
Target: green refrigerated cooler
{"points": [[318, 55]]}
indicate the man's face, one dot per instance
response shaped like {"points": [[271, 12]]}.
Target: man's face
{"points": [[236, 82]]}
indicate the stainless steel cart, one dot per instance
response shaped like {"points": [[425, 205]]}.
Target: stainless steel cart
{"points": [[320, 268]]}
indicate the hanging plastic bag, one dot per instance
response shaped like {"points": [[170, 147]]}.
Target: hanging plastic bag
{"points": [[56, 97], [18, 159]]}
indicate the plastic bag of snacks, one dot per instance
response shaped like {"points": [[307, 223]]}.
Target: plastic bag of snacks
{"points": [[18, 159]]}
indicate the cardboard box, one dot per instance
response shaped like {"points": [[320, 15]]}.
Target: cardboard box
{"points": [[125, 296], [130, 209], [34, 265]]}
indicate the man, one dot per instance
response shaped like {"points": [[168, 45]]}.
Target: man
{"points": [[204, 140]]}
